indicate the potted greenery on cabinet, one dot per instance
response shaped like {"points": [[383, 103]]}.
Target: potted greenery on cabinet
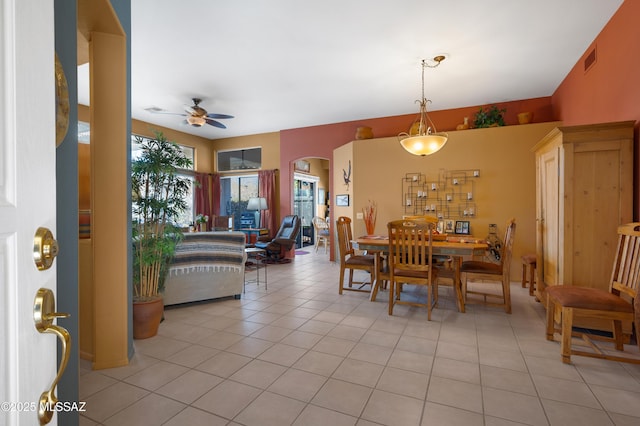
{"points": [[158, 199], [489, 117]]}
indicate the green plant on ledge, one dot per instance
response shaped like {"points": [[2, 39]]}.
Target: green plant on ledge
{"points": [[489, 117]]}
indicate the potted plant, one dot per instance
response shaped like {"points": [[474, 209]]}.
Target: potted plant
{"points": [[489, 117], [158, 198], [201, 221]]}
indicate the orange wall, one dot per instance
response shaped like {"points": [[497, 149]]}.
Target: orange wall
{"points": [[320, 141], [610, 89]]}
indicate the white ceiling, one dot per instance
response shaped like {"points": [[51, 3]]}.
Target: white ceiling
{"points": [[281, 64]]}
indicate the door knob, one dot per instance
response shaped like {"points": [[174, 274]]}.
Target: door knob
{"points": [[43, 315], [45, 248]]}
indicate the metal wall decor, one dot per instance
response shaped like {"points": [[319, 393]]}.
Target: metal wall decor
{"points": [[449, 194]]}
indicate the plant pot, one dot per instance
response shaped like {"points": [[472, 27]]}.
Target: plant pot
{"points": [[364, 133], [146, 317], [525, 117]]}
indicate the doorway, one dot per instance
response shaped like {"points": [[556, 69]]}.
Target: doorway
{"points": [[304, 205]]}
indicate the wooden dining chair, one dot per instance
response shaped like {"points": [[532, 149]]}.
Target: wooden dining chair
{"points": [[488, 273], [350, 260], [615, 304], [411, 262]]}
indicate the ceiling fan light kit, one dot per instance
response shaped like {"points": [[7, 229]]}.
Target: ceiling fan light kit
{"points": [[196, 121], [423, 139]]}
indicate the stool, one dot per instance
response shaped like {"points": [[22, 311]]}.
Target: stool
{"points": [[529, 260]]}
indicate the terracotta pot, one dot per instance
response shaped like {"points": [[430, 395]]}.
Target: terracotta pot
{"points": [[146, 317], [525, 117], [364, 133]]}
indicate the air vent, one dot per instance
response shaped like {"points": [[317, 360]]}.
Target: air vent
{"points": [[590, 59]]}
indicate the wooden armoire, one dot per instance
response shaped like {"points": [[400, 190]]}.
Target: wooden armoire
{"points": [[584, 190]]}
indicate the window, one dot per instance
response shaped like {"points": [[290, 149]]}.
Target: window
{"points": [[235, 192], [188, 215], [84, 133], [237, 160]]}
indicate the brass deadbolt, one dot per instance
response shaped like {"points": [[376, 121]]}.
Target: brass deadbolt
{"points": [[45, 248]]}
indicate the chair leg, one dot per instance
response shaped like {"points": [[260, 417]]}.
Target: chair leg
{"points": [[550, 319], [429, 290], [464, 289], [435, 292], [567, 324], [350, 278], [524, 275], [391, 296], [506, 293], [374, 286], [341, 280], [532, 277], [617, 335]]}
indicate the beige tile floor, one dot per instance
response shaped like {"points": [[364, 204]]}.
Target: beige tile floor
{"points": [[300, 354]]}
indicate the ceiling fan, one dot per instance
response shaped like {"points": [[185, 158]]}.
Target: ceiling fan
{"points": [[196, 115]]}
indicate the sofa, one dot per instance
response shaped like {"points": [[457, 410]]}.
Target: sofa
{"points": [[206, 265]]}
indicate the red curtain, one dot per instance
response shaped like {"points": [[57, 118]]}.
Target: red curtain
{"points": [[267, 189], [203, 203], [215, 193]]}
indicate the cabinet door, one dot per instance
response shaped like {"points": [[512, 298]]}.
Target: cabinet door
{"points": [[597, 212], [549, 212]]}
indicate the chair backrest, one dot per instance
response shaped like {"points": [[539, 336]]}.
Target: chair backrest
{"points": [[343, 228], [626, 266], [289, 228], [410, 245], [507, 248], [319, 223], [224, 222]]}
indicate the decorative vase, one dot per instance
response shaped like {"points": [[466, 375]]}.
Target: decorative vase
{"points": [[146, 317], [464, 125], [525, 117], [364, 133], [370, 225]]}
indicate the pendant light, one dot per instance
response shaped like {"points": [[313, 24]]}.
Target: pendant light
{"points": [[423, 138]]}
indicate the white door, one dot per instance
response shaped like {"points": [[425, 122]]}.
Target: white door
{"points": [[27, 202]]}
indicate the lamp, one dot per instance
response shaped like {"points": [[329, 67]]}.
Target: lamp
{"points": [[257, 203], [421, 140], [196, 121]]}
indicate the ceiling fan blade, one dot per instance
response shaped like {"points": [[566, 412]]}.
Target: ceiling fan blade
{"points": [[215, 123], [161, 111], [219, 116], [173, 113]]}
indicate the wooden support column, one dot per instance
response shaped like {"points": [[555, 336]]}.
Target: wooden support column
{"points": [[109, 195]]}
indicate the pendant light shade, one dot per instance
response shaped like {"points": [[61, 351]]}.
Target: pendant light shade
{"points": [[423, 139]]}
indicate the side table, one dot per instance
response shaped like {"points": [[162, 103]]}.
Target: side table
{"points": [[254, 233], [258, 255]]}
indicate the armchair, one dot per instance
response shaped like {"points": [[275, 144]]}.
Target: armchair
{"points": [[284, 239]]}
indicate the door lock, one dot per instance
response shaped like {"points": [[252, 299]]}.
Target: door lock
{"points": [[45, 248]]}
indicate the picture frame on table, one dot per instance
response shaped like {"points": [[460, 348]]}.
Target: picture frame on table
{"points": [[462, 227], [342, 200], [449, 226], [440, 227]]}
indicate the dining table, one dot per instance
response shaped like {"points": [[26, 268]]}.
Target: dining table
{"points": [[456, 248]]}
